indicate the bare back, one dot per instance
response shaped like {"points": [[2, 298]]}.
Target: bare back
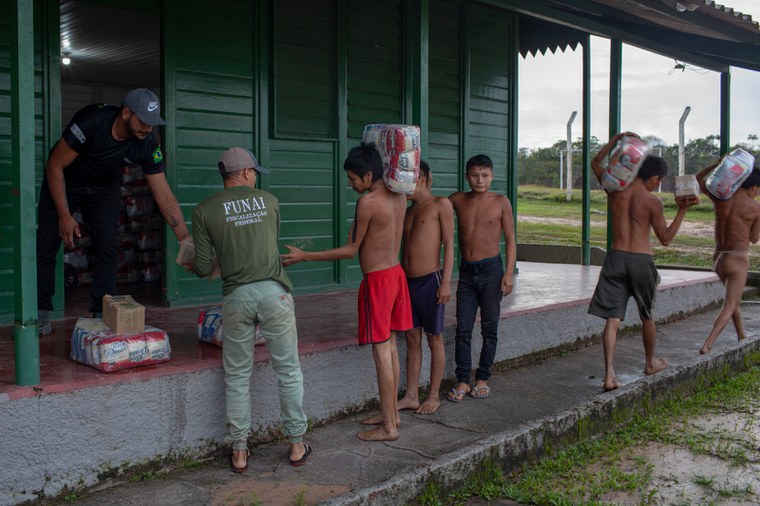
{"points": [[737, 222], [424, 229], [383, 212], [634, 212], [482, 218]]}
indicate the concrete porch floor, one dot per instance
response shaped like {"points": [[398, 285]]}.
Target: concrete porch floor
{"points": [[325, 321]]}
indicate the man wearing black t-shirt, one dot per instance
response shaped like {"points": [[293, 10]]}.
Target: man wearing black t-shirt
{"points": [[84, 169]]}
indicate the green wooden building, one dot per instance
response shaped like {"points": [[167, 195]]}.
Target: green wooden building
{"points": [[296, 82]]}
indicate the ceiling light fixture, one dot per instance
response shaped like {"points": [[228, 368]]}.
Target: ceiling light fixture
{"points": [[686, 5], [66, 60]]}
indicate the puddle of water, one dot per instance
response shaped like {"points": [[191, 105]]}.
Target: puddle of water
{"points": [[681, 476]]}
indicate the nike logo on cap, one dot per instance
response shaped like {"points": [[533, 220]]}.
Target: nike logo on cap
{"points": [[152, 106]]}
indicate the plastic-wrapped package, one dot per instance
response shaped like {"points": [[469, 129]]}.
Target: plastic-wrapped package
{"points": [[210, 327], [686, 186], [139, 205], [132, 173], [625, 162], [148, 240], [399, 148], [149, 273], [76, 257], [94, 344], [730, 174]]}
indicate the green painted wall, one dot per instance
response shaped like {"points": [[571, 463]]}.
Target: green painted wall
{"points": [[296, 81], [42, 114]]}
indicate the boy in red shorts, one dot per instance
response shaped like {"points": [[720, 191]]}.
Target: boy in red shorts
{"points": [[384, 305]]}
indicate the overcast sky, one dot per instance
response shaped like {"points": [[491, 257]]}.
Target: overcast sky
{"points": [[654, 94]]}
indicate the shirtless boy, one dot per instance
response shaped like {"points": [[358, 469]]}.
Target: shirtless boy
{"points": [[737, 223], [483, 217], [384, 305], [429, 224], [628, 268]]}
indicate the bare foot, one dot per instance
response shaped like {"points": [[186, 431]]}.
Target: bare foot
{"points": [[377, 434], [408, 403], [378, 420], [611, 385], [742, 337], [429, 407], [658, 365], [704, 350]]}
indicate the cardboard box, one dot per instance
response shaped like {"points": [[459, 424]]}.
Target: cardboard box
{"points": [[122, 314]]}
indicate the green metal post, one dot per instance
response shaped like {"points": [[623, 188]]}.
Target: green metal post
{"points": [[417, 68], [725, 111], [514, 97], [25, 333], [616, 72], [586, 119], [341, 149]]}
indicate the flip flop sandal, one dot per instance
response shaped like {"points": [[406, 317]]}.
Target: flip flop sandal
{"points": [[457, 395], [236, 469], [475, 393], [302, 460]]}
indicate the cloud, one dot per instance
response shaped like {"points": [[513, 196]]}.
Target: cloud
{"points": [[654, 95]]}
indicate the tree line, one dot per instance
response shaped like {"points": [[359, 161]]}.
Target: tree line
{"points": [[541, 166]]}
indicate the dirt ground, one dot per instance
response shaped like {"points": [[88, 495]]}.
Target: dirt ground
{"points": [[693, 228]]}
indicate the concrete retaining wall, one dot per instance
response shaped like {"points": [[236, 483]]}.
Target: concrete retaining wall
{"points": [[74, 439]]}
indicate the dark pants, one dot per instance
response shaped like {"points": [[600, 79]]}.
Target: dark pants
{"points": [[100, 210], [479, 286]]}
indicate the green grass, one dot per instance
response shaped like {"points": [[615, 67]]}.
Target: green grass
{"points": [[685, 250], [584, 472]]}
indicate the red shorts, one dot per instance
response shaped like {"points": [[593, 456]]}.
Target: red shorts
{"points": [[384, 305]]}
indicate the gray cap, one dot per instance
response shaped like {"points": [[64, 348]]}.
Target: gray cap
{"points": [[235, 159], [145, 104]]}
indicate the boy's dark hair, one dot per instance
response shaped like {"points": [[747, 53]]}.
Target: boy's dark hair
{"points": [[362, 159], [424, 170], [653, 166], [753, 179], [479, 161]]}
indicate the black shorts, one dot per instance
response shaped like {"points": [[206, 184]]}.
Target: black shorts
{"points": [[625, 275]]}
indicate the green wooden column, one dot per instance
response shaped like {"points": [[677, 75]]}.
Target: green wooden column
{"points": [[586, 120], [25, 332], [725, 111], [417, 65], [616, 72]]}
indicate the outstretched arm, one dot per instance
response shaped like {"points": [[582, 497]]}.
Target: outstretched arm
{"points": [[666, 233], [168, 204], [348, 250]]}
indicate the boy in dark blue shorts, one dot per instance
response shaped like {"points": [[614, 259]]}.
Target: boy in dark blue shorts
{"points": [[428, 225]]}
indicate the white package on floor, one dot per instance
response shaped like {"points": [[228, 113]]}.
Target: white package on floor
{"points": [[93, 343], [210, 327]]}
